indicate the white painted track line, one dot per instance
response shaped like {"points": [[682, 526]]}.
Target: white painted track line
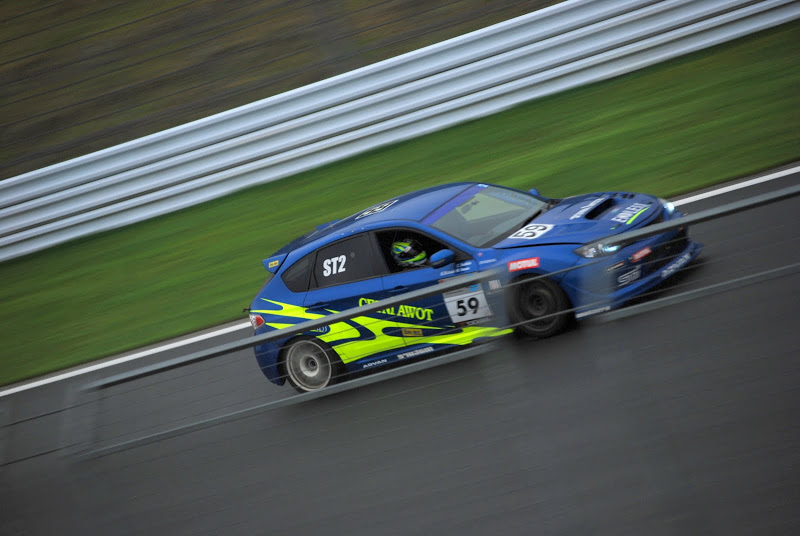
{"points": [[737, 186], [116, 361], [31, 384]]}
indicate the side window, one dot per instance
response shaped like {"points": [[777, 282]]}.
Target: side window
{"points": [[296, 276], [416, 255], [345, 261]]}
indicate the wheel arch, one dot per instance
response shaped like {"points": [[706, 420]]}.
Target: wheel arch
{"points": [[512, 305], [515, 281], [337, 363]]}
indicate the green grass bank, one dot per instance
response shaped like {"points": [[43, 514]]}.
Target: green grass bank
{"points": [[674, 127]]}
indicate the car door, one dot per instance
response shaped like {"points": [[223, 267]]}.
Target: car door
{"points": [[345, 275], [442, 318]]}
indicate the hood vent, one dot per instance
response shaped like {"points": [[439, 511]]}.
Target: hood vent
{"points": [[599, 209]]}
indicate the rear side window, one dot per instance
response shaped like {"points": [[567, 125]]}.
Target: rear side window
{"points": [[296, 276], [344, 262]]}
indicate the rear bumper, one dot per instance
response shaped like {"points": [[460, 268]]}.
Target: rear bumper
{"points": [[267, 357]]}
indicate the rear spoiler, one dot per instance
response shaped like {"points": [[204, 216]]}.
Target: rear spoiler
{"points": [[273, 263]]}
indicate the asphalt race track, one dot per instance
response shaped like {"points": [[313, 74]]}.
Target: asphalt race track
{"points": [[681, 420]]}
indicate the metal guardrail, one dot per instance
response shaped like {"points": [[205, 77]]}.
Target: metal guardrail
{"points": [[551, 50]]}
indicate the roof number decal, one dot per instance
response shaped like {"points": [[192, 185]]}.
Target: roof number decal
{"points": [[376, 209]]}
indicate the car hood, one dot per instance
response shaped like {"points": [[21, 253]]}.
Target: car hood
{"points": [[583, 218]]}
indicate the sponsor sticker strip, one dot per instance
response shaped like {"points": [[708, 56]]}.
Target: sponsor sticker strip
{"points": [[523, 264], [593, 311], [642, 253], [415, 353], [675, 266], [630, 213], [404, 311], [460, 267]]}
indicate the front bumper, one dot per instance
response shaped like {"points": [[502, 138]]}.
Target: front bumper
{"points": [[636, 269]]}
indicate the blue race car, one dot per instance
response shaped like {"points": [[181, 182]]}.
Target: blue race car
{"points": [[421, 238]]}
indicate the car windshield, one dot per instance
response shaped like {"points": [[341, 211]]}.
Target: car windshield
{"points": [[489, 214]]}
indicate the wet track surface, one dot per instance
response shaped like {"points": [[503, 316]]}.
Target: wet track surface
{"points": [[681, 420]]}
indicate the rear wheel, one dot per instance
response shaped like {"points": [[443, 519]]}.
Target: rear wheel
{"points": [[539, 303], [310, 364]]}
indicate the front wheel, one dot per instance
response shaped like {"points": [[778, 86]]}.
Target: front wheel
{"points": [[538, 304], [310, 364]]}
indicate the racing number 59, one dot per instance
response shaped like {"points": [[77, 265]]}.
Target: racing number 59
{"points": [[466, 304], [472, 303]]}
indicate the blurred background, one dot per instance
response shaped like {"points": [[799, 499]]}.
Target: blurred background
{"points": [[79, 76]]}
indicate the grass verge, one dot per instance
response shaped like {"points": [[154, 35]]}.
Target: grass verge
{"points": [[671, 128]]}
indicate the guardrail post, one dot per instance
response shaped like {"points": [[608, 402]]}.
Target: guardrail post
{"points": [[79, 423]]}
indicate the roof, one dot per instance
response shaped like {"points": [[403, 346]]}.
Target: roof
{"points": [[412, 206]]}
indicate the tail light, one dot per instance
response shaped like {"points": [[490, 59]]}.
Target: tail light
{"points": [[256, 321]]}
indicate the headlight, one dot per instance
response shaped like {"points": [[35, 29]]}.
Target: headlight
{"points": [[590, 251], [669, 208]]}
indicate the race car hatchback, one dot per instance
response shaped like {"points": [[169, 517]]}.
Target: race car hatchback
{"points": [[421, 238]]}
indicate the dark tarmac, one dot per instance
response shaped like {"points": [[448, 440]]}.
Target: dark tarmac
{"points": [[681, 420]]}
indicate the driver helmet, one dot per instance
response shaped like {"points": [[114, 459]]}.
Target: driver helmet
{"points": [[408, 252]]}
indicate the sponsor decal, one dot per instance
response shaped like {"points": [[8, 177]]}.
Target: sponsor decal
{"points": [[642, 253], [494, 284], [616, 266], [532, 231], [374, 363], [472, 322], [405, 311], [523, 264], [411, 332], [415, 353], [675, 266], [630, 213], [487, 261], [462, 266], [587, 207], [273, 264], [323, 329], [376, 209], [630, 277], [593, 311]]}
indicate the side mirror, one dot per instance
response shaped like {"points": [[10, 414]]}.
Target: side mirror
{"points": [[535, 191], [442, 257]]}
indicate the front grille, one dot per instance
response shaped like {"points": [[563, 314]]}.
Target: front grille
{"points": [[663, 253]]}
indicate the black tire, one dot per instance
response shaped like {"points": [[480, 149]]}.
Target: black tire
{"points": [[537, 298], [310, 364]]}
